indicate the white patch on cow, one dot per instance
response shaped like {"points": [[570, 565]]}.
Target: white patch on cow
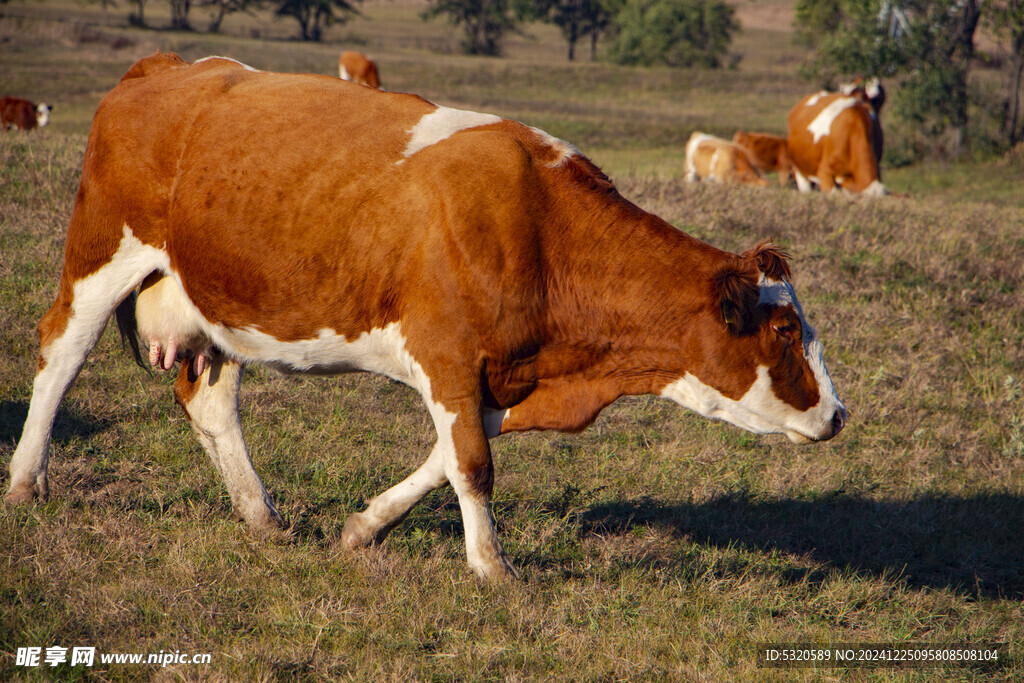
{"points": [[441, 124], [42, 115], [227, 59], [817, 96], [802, 183], [875, 189], [714, 165], [822, 123], [564, 149], [343, 73], [759, 410], [873, 88], [692, 145]]}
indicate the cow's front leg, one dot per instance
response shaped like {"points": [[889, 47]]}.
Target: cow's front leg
{"points": [[471, 473], [210, 401]]}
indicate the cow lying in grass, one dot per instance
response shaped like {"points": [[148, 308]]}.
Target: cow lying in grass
{"points": [[719, 161]]}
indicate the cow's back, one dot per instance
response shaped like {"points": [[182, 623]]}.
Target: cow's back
{"points": [[357, 215]]}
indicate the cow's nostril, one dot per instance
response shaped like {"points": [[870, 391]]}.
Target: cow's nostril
{"points": [[838, 421]]}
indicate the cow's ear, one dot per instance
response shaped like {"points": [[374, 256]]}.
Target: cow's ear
{"points": [[770, 259], [737, 295]]}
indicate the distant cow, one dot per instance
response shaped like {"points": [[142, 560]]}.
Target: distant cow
{"points": [[768, 152], [358, 68], [720, 161], [19, 114], [496, 271], [832, 141]]}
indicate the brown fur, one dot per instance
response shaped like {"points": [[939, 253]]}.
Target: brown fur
{"points": [[767, 152]]}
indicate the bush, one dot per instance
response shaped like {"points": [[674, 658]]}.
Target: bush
{"points": [[677, 33]]}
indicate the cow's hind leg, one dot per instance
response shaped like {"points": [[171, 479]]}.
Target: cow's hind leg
{"points": [[67, 333], [389, 508], [210, 401], [461, 457]]}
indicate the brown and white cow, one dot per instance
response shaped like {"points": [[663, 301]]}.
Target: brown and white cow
{"points": [[19, 114], [719, 161], [831, 141], [489, 266], [768, 152], [356, 67]]}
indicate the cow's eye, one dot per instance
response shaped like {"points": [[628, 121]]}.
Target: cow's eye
{"points": [[785, 329]]}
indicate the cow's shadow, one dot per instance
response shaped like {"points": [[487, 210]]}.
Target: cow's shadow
{"points": [[70, 424], [970, 545]]}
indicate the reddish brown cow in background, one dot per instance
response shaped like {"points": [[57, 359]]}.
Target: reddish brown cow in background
{"points": [[19, 114], [831, 141], [358, 68], [494, 269], [768, 152]]}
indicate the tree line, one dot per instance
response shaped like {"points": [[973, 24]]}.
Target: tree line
{"points": [[640, 32], [926, 48]]}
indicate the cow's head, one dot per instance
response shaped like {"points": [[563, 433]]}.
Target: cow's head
{"points": [[746, 173], [754, 360], [43, 114]]}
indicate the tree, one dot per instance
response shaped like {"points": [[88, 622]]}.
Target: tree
{"points": [[485, 22], [179, 15], [928, 43], [578, 19], [673, 33], [221, 8], [1006, 17], [138, 18], [314, 15]]}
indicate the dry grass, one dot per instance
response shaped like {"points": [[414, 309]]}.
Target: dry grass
{"points": [[654, 546]]}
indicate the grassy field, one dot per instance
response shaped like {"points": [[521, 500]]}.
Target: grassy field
{"points": [[654, 546]]}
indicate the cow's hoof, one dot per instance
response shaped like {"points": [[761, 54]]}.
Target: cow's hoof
{"points": [[26, 493], [20, 496], [357, 533], [497, 570], [267, 524]]}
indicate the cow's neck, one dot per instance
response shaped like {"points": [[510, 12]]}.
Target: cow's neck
{"points": [[626, 290]]}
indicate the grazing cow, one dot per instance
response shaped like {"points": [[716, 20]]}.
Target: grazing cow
{"points": [[358, 68], [19, 114], [489, 266], [720, 161], [768, 152], [831, 140]]}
